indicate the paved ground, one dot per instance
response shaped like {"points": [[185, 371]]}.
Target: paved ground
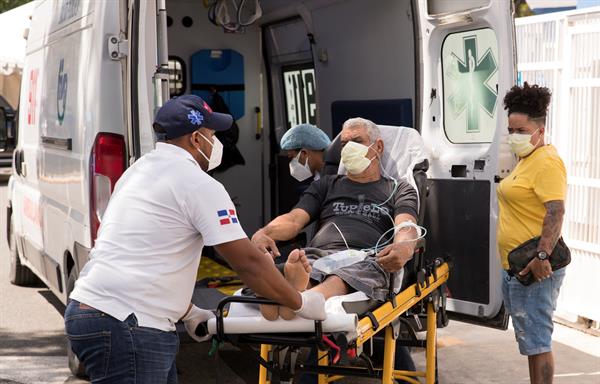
{"points": [[32, 346]]}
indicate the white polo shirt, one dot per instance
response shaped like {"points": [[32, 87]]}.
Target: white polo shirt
{"points": [[145, 260]]}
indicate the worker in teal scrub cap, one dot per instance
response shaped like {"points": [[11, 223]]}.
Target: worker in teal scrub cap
{"points": [[305, 145]]}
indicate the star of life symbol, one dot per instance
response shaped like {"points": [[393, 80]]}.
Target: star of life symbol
{"points": [[471, 91], [195, 117]]}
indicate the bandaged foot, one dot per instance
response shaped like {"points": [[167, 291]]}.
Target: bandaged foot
{"points": [[297, 273]]}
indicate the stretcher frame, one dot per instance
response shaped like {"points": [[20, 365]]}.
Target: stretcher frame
{"points": [[430, 282]]}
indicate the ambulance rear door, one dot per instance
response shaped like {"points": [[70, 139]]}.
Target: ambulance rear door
{"points": [[145, 82], [466, 64]]}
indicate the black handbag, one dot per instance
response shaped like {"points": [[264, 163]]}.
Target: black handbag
{"points": [[519, 257]]}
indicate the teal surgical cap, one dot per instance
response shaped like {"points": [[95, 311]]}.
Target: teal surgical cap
{"points": [[305, 136]]}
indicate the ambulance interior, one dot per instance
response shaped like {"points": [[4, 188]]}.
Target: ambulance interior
{"points": [[308, 67], [320, 62]]}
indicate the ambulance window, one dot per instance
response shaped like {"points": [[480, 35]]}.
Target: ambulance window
{"points": [[300, 94], [176, 76], [470, 86]]}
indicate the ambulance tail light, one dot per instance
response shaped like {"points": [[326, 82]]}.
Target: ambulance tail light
{"points": [[106, 166]]}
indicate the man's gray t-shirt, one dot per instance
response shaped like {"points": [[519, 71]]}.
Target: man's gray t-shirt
{"points": [[353, 207]]}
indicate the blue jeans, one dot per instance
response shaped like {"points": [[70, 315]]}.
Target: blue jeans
{"points": [[531, 308], [114, 351]]}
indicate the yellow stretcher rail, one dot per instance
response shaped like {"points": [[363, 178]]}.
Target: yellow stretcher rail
{"points": [[404, 300], [384, 316]]}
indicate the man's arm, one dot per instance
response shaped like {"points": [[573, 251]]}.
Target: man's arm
{"points": [[394, 256], [258, 272], [555, 211], [284, 227]]}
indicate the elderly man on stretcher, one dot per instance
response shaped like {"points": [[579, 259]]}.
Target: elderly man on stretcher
{"points": [[362, 211]]}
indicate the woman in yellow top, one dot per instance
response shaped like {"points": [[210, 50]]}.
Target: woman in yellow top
{"points": [[531, 201]]}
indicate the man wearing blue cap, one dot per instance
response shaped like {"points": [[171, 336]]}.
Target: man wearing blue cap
{"points": [[305, 145], [120, 321]]}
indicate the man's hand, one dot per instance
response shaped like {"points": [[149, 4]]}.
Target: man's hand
{"points": [[195, 323], [313, 306], [265, 244], [541, 269], [394, 256]]}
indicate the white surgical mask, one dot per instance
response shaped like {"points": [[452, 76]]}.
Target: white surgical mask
{"points": [[354, 157], [298, 171], [215, 155], [520, 143]]}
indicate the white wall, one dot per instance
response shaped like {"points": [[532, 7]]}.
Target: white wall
{"points": [[562, 52]]}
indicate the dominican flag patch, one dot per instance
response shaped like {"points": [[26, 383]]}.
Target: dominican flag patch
{"points": [[227, 216]]}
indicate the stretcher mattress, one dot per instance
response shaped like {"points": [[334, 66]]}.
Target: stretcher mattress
{"points": [[245, 318]]}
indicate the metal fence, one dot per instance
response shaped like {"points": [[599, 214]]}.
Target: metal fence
{"points": [[562, 51]]}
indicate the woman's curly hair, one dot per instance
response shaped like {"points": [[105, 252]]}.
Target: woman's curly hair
{"points": [[531, 100]]}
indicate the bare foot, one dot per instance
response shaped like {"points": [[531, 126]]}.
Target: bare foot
{"points": [[296, 271], [269, 312]]}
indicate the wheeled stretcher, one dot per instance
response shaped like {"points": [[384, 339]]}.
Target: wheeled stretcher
{"points": [[344, 340], [340, 339]]}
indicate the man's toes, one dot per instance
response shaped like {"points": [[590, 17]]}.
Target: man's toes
{"points": [[294, 256], [269, 312], [307, 266]]}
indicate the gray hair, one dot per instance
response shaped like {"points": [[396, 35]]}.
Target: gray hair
{"points": [[372, 128]]}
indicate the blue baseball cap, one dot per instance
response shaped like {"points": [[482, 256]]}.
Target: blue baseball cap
{"points": [[305, 136], [188, 113]]}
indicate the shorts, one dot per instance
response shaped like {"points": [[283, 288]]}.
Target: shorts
{"points": [[366, 276], [531, 308]]}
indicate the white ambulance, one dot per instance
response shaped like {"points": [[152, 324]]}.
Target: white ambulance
{"points": [[95, 72]]}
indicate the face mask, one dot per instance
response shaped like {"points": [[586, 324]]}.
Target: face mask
{"points": [[298, 171], [354, 157], [215, 155], [520, 143]]}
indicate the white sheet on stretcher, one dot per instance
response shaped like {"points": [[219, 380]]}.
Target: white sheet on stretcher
{"points": [[246, 318]]}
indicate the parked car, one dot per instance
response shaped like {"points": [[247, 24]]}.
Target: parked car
{"points": [[8, 135]]}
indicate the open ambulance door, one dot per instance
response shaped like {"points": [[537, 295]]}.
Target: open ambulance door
{"points": [[466, 65], [147, 81]]}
